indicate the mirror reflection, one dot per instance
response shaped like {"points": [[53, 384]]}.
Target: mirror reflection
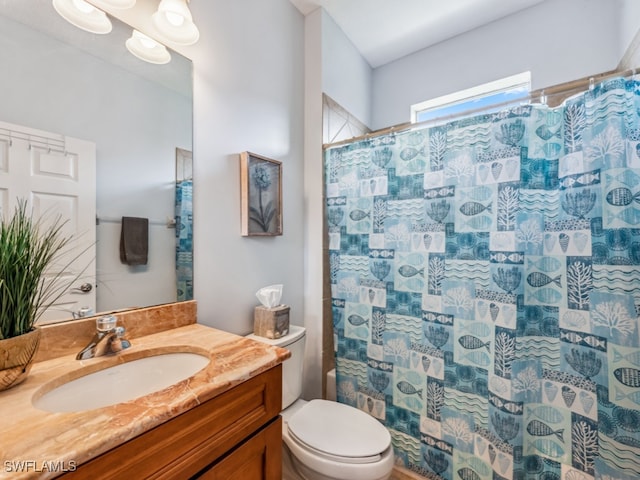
{"points": [[59, 79]]}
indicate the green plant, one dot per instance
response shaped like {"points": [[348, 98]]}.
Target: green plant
{"points": [[28, 248]]}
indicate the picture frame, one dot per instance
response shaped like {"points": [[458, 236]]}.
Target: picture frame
{"points": [[261, 195]]}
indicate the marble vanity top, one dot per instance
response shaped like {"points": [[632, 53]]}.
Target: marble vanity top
{"points": [[43, 441]]}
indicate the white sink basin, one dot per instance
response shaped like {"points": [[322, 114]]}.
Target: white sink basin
{"points": [[121, 383]]}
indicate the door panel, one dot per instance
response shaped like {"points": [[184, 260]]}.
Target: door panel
{"points": [[57, 175]]}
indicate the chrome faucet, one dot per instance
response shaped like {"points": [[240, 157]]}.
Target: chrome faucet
{"points": [[108, 339]]}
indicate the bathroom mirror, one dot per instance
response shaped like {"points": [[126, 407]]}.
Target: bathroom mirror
{"points": [[58, 78]]}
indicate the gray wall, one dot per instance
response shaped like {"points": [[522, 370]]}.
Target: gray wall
{"points": [[346, 75], [248, 96], [557, 40]]}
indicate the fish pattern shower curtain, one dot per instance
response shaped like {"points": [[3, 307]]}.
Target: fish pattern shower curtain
{"points": [[184, 240], [485, 281]]}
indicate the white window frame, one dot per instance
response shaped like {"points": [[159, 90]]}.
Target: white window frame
{"points": [[471, 97]]}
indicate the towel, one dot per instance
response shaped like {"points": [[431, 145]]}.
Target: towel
{"points": [[134, 241]]}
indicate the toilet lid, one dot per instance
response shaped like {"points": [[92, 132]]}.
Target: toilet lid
{"points": [[339, 430]]}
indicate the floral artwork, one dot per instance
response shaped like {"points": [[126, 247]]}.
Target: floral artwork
{"points": [[485, 289], [261, 195]]}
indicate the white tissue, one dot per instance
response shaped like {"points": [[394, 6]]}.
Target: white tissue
{"points": [[270, 296]]}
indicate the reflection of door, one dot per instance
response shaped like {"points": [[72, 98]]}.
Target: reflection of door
{"points": [[57, 175]]}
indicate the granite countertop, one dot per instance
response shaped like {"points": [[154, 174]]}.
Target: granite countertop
{"points": [[43, 440]]}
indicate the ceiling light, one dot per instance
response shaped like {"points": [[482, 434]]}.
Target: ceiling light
{"points": [[121, 4], [147, 49], [83, 15], [174, 21]]}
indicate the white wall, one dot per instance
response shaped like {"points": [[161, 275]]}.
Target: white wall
{"points": [[629, 42], [248, 96], [629, 20], [335, 67], [557, 40], [346, 75], [136, 125], [313, 214]]}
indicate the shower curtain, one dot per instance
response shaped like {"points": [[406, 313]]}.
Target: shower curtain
{"points": [[485, 280], [184, 240]]}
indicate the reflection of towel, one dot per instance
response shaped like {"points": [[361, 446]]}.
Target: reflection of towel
{"points": [[134, 241]]}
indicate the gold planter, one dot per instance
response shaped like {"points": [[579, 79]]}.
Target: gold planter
{"points": [[16, 357]]}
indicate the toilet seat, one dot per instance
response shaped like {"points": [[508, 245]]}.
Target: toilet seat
{"points": [[333, 458], [310, 466], [338, 432]]}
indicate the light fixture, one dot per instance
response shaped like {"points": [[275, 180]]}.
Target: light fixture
{"points": [[83, 15], [120, 4], [147, 49], [175, 23]]}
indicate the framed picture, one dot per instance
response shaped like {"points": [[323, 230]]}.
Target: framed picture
{"points": [[261, 190]]}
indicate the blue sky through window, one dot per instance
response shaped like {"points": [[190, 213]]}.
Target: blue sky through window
{"points": [[483, 97]]}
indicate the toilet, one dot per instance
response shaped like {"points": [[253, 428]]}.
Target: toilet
{"points": [[327, 440]]}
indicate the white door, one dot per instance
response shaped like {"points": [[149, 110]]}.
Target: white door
{"points": [[57, 176]]}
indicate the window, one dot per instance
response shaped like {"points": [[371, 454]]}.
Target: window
{"points": [[482, 97]]}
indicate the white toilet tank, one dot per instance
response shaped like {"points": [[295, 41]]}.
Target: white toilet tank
{"points": [[292, 368]]}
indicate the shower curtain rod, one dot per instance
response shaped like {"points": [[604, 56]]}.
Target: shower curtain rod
{"points": [[558, 93]]}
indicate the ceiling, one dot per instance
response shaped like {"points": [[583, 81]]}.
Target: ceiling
{"points": [[381, 30], [385, 30]]}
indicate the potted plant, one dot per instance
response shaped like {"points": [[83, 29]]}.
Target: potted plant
{"points": [[29, 247]]}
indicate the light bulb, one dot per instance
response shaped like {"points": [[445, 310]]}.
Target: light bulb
{"points": [[147, 42], [119, 4], [83, 15], [174, 19], [83, 6], [174, 22], [147, 49]]}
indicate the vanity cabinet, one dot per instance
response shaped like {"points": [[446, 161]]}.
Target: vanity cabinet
{"points": [[235, 435], [255, 458]]}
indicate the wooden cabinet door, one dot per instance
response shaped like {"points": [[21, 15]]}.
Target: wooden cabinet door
{"points": [[258, 458]]}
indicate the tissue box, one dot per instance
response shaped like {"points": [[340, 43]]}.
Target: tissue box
{"points": [[271, 322]]}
